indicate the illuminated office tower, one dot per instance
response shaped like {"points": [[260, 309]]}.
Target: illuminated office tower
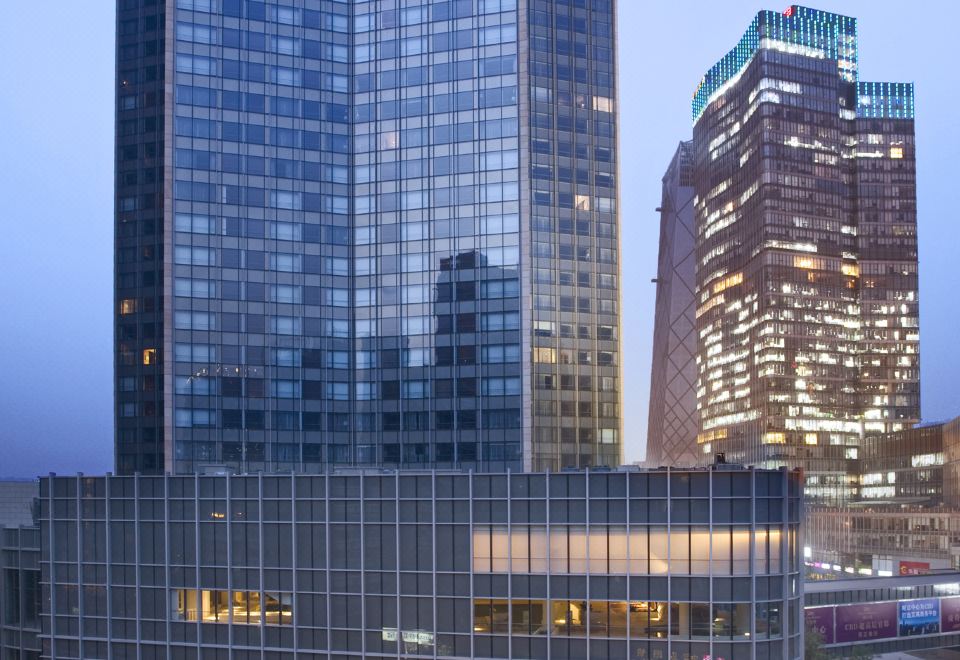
{"points": [[672, 425], [366, 234], [807, 312]]}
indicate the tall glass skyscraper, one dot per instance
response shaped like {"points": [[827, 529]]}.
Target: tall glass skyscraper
{"points": [[807, 318], [370, 233]]}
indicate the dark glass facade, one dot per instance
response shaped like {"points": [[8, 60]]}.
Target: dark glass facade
{"points": [[20, 593], [355, 233], [140, 230], [619, 564], [807, 313], [672, 426]]}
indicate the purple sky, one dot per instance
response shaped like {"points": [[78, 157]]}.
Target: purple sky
{"points": [[56, 113]]}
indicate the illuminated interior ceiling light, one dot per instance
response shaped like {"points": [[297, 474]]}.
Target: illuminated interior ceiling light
{"points": [[774, 438], [727, 282]]}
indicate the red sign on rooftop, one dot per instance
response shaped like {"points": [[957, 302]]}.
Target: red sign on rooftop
{"points": [[789, 11]]}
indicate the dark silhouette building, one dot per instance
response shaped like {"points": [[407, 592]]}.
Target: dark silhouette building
{"points": [[672, 426]]}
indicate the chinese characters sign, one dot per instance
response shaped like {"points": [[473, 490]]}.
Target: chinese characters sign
{"points": [[914, 567], [919, 617], [821, 620], [860, 623]]}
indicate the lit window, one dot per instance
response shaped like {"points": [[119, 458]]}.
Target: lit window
{"points": [[545, 355], [896, 152], [602, 104], [583, 202], [128, 306], [243, 607], [149, 356]]}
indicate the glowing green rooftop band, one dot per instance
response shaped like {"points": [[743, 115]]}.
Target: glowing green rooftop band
{"points": [[883, 100], [826, 35]]}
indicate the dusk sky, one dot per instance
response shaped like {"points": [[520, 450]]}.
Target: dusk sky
{"points": [[56, 202]]}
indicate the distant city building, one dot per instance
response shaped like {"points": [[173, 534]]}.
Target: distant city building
{"points": [[600, 564], [20, 597], [354, 235], [17, 498], [808, 311], [905, 467], [672, 426], [906, 518]]}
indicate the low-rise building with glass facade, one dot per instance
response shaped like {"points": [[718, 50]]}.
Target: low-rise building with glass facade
{"points": [[626, 563], [20, 594]]}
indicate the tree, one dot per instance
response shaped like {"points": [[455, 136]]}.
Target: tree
{"points": [[859, 652], [813, 645]]}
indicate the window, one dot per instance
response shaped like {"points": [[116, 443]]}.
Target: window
{"points": [[338, 391], [201, 34], [205, 66], [545, 355], [416, 357], [336, 265], [194, 288], [287, 263], [194, 353], [286, 357], [286, 293], [365, 297], [366, 391], [338, 359], [492, 321], [415, 389], [194, 256], [196, 224], [500, 386], [602, 104], [194, 320], [285, 325], [500, 353], [239, 607], [286, 389]]}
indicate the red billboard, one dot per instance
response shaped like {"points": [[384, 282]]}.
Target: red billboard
{"points": [[914, 567]]}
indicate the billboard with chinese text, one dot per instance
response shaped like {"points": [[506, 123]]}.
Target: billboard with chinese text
{"points": [[919, 617]]}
